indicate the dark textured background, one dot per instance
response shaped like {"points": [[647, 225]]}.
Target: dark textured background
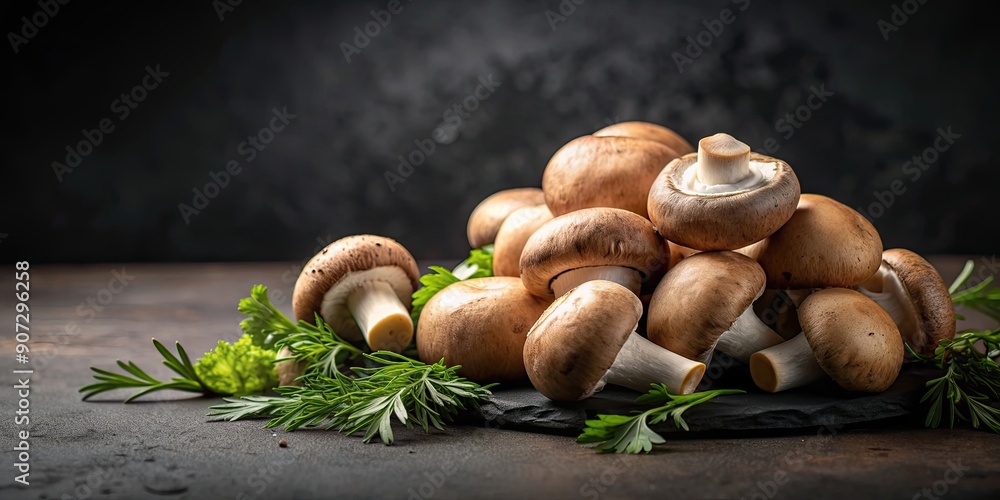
{"points": [[322, 178]]}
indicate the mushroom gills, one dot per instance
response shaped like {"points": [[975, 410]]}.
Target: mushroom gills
{"points": [[747, 335], [376, 299], [641, 362], [785, 366], [629, 278], [888, 291]]}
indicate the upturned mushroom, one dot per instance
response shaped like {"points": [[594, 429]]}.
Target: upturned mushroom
{"points": [[824, 244], [845, 336], [485, 220], [480, 324], [611, 172], [362, 286], [705, 303], [916, 298], [587, 339], [595, 243], [648, 131], [513, 234], [723, 197]]}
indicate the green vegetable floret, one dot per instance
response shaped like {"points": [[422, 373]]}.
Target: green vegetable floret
{"points": [[238, 369]]}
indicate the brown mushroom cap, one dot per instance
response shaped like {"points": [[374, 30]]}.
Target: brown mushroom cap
{"points": [[485, 220], [589, 238], [722, 221], [854, 340], [824, 244], [612, 172], [513, 234], [576, 340], [342, 259], [679, 252], [648, 131], [480, 324], [700, 299], [927, 293]]}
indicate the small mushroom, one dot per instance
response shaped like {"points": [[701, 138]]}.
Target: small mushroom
{"points": [[513, 234], [722, 198], [648, 131], [824, 244], [485, 220], [705, 303], [288, 369], [595, 243], [587, 339], [844, 335], [480, 324], [611, 172], [916, 298], [362, 286]]}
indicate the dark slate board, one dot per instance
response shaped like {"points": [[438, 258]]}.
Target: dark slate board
{"points": [[820, 404]]}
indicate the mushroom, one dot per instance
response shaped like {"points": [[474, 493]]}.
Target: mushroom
{"points": [[723, 197], [485, 220], [824, 244], [595, 243], [288, 369], [916, 298], [844, 335], [611, 172], [679, 252], [648, 131], [480, 324], [513, 234], [362, 287], [587, 339], [706, 303]]}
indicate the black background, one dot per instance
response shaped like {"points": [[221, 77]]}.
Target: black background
{"points": [[323, 177]]}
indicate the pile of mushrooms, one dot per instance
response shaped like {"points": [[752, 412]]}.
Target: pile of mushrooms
{"points": [[635, 262]]}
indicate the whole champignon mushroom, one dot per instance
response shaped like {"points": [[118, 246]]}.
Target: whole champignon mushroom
{"points": [[485, 220], [480, 324], [513, 234], [649, 132], [824, 244], [844, 335], [722, 198], [587, 339], [916, 298], [611, 172], [705, 303], [362, 286], [595, 243]]}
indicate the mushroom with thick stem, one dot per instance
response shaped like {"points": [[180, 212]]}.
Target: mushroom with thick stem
{"points": [[916, 298], [362, 287], [723, 197], [649, 132], [705, 303], [590, 244], [480, 324], [485, 220], [587, 339], [613, 172], [845, 335], [513, 234]]}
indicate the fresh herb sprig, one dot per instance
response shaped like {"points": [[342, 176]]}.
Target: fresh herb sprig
{"points": [[411, 392], [319, 347], [631, 433], [479, 264], [979, 297], [188, 379]]}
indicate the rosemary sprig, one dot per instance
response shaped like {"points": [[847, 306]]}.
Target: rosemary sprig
{"points": [[631, 433], [181, 364], [323, 351], [979, 297]]}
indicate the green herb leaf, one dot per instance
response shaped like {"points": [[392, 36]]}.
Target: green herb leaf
{"points": [[265, 324], [319, 347], [135, 377], [980, 297], [478, 265]]}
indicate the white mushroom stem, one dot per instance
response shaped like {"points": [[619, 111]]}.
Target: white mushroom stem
{"points": [[785, 366], [629, 278], [887, 291], [382, 317], [722, 160], [641, 362], [746, 336]]}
